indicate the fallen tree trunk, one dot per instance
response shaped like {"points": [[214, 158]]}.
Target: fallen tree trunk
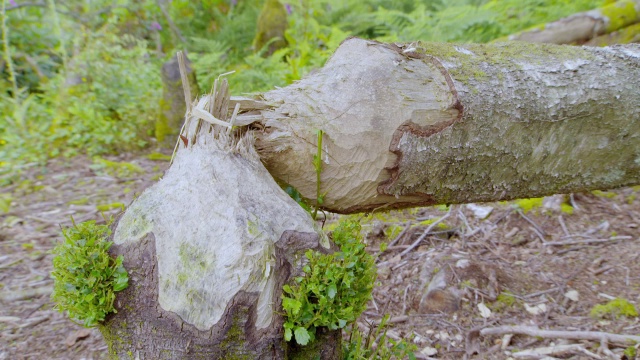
{"points": [[581, 27], [443, 123]]}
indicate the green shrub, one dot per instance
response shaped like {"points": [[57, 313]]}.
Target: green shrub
{"points": [[112, 104], [334, 290], [85, 276]]}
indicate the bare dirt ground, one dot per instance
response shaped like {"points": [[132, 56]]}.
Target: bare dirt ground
{"points": [[445, 285]]}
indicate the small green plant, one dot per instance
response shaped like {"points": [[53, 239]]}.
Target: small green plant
{"points": [[504, 301], [360, 347], [114, 168], [297, 197], [317, 165], [631, 352], [615, 308], [334, 290], [85, 276], [527, 205]]}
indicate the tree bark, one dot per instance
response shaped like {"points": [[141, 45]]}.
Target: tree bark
{"points": [[172, 106], [581, 27], [208, 250], [429, 124]]}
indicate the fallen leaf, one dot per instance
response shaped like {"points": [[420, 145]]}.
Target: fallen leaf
{"points": [[463, 263], [429, 351], [572, 295], [480, 211], [485, 312]]}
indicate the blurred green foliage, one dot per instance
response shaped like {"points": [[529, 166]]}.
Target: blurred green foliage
{"points": [[88, 73]]}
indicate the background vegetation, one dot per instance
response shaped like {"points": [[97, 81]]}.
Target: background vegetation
{"points": [[84, 77]]}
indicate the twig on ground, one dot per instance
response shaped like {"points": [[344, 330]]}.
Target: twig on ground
{"points": [[424, 235], [404, 299], [604, 349], [538, 233], [590, 241], [407, 227], [17, 295], [521, 213], [563, 225], [560, 334], [469, 231], [574, 204], [557, 350], [538, 293], [393, 320]]}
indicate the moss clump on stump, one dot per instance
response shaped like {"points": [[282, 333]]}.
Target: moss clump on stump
{"points": [[86, 277]]}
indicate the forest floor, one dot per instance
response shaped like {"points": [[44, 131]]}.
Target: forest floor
{"points": [[544, 267]]}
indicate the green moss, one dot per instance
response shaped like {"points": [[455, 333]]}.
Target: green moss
{"points": [[428, 222], [620, 14], [527, 205], [614, 309], [80, 201], [111, 206], [392, 231], [162, 128], [182, 278], [156, 156], [5, 202], [631, 198], [631, 352], [86, 277], [506, 56], [234, 340], [191, 256], [606, 194], [566, 208], [114, 168], [504, 301]]}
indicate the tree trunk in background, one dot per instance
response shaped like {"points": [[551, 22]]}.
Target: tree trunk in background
{"points": [[430, 123], [172, 106], [629, 34], [208, 249], [581, 27]]}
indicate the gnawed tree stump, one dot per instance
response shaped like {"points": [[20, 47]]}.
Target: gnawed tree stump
{"points": [[208, 249]]}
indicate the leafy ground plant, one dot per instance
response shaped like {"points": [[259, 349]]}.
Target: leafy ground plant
{"points": [[86, 276], [361, 346], [334, 290]]}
